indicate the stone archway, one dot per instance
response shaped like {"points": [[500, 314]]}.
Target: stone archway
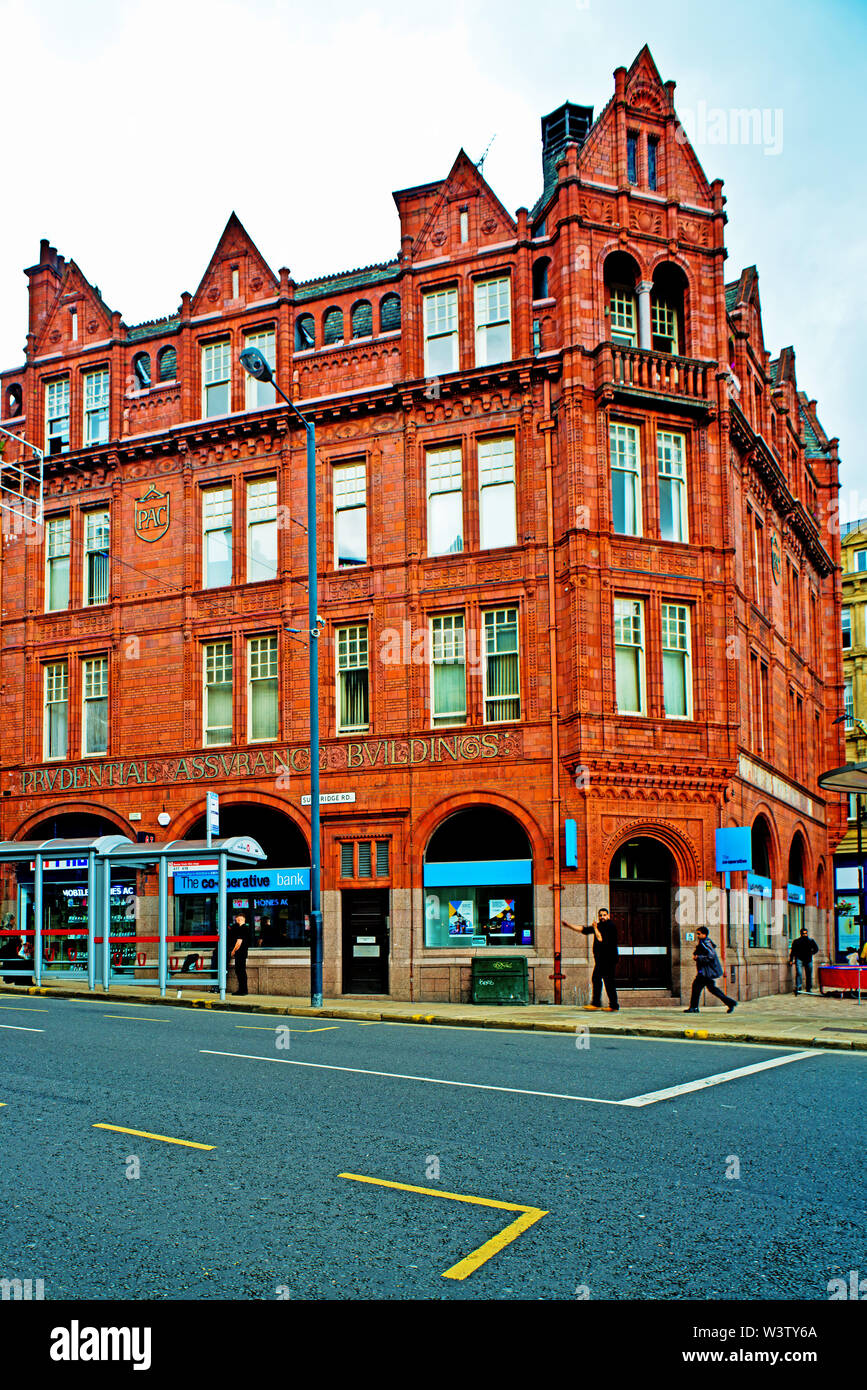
{"points": [[641, 878]]}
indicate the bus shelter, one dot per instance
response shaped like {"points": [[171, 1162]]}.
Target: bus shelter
{"points": [[75, 896]]}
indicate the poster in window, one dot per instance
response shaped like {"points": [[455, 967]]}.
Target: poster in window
{"points": [[432, 907], [501, 916], [461, 918]]}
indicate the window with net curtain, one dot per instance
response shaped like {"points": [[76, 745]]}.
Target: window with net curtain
{"points": [[671, 459], [96, 557], [625, 479], [262, 693], [445, 524], [353, 688], [676, 661], [261, 529], [95, 721], [217, 658], [448, 669], [216, 536], [497, 519], [56, 709], [629, 655], [502, 688], [57, 563]]}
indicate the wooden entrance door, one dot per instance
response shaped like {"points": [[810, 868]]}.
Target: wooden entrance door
{"points": [[641, 912]]}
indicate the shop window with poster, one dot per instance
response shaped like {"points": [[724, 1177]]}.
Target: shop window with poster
{"points": [[481, 903]]}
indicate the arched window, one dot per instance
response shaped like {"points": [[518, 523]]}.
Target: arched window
{"points": [[667, 301], [761, 885], [478, 875], [362, 319], [14, 401], [332, 327], [141, 365], [796, 897], [621, 276], [305, 332], [389, 313], [167, 364], [540, 277]]}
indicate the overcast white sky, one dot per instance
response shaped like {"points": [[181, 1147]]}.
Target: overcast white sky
{"points": [[132, 128]]}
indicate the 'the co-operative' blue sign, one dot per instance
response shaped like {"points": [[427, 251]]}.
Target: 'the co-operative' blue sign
{"points": [[251, 881]]}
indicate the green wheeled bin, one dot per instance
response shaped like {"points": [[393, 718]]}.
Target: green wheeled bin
{"points": [[501, 980]]}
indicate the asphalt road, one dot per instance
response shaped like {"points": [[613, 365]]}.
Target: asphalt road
{"points": [[637, 1199]]}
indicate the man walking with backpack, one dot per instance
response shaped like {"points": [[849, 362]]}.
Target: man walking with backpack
{"points": [[709, 969], [803, 950]]}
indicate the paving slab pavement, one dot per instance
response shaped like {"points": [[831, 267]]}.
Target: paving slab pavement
{"points": [[797, 1021]]}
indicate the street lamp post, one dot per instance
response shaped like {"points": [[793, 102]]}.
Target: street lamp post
{"points": [[255, 363]]}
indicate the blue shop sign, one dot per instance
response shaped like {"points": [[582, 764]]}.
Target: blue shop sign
{"points": [[476, 873], [734, 849], [759, 887], [250, 881], [795, 894]]}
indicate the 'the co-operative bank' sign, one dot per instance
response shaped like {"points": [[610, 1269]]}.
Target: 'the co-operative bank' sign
{"points": [[333, 757]]}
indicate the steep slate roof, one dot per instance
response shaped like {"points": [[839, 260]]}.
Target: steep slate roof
{"points": [[814, 447], [346, 280], [153, 328]]}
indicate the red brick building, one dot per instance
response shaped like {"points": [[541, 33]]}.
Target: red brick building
{"points": [[579, 590]]}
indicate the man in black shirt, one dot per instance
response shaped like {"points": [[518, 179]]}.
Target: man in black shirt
{"points": [[803, 950], [605, 953], [239, 942]]}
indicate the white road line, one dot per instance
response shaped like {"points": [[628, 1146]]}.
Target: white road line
{"points": [[16, 1028], [651, 1097], [400, 1076]]}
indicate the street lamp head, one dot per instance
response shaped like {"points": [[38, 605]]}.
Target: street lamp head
{"points": [[253, 362]]}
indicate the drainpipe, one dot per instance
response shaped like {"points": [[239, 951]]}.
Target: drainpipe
{"points": [[548, 427]]}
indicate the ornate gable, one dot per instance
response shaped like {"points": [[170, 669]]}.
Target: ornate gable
{"points": [[78, 315], [235, 252], [487, 219]]}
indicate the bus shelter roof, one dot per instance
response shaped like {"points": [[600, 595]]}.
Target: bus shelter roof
{"points": [[851, 777], [120, 849], [14, 851]]}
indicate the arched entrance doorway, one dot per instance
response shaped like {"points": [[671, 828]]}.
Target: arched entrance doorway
{"points": [[478, 881], [641, 878], [275, 900], [73, 825]]}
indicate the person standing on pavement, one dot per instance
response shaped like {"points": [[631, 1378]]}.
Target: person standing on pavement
{"points": [[708, 969], [239, 942], [605, 954], [803, 950]]}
